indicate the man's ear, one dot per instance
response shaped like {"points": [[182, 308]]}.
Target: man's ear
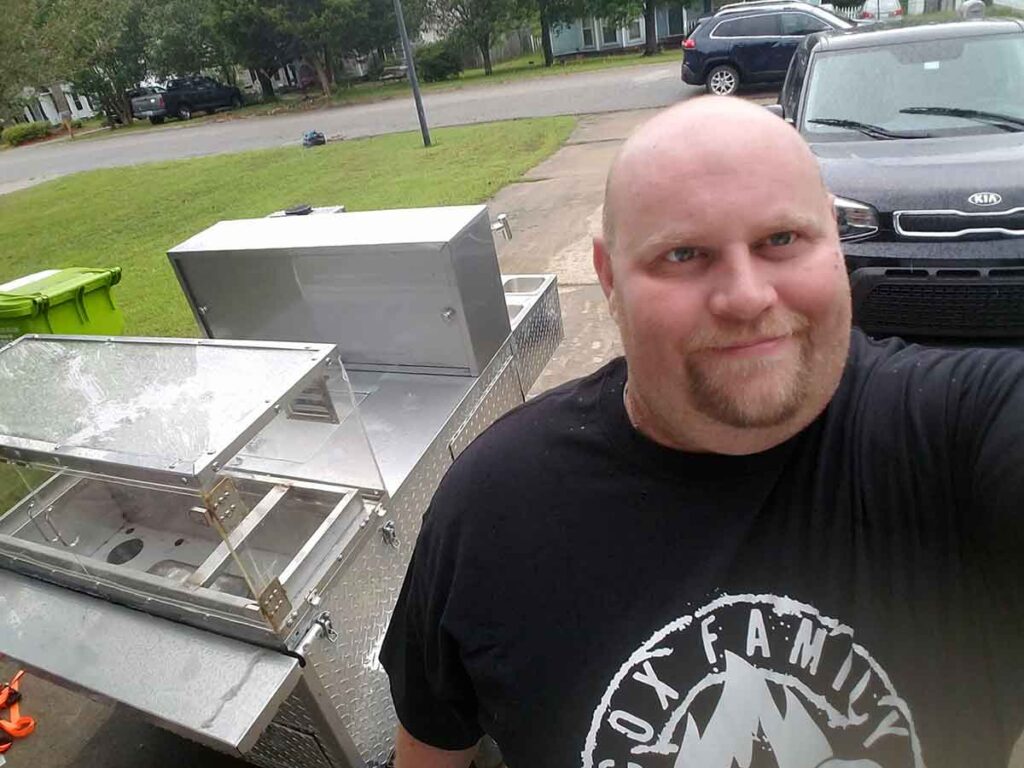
{"points": [[603, 266], [605, 274]]}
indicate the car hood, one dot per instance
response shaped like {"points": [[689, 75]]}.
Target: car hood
{"points": [[926, 173]]}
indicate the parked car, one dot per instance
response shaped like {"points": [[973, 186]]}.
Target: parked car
{"points": [[920, 134], [752, 43], [880, 10], [184, 96], [752, 3]]}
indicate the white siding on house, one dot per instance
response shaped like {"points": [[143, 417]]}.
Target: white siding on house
{"points": [[567, 39]]}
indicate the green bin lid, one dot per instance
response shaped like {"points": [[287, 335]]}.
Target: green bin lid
{"points": [[30, 295]]}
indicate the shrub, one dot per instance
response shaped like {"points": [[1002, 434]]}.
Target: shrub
{"points": [[22, 132], [438, 61], [76, 123]]}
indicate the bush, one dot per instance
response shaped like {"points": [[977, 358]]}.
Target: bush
{"points": [[438, 61], [76, 123], [22, 132]]}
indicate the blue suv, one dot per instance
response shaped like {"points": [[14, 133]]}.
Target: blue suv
{"points": [[751, 43]]}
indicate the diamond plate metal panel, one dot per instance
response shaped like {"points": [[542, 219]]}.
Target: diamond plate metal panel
{"points": [[537, 336], [281, 746], [301, 735], [294, 714], [504, 394], [362, 597]]}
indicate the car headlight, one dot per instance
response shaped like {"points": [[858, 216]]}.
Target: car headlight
{"points": [[857, 221]]}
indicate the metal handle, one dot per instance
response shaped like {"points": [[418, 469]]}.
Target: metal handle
{"points": [[502, 225]]}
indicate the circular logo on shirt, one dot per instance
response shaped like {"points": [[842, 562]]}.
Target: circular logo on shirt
{"points": [[752, 681]]}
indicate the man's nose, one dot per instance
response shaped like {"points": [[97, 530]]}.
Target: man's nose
{"points": [[740, 289]]}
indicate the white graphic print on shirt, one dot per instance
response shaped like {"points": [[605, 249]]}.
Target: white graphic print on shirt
{"points": [[752, 681]]}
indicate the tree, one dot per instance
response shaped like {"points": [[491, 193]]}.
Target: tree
{"points": [[315, 27], [184, 39], [252, 36], [477, 21], [551, 12], [21, 61], [99, 45]]}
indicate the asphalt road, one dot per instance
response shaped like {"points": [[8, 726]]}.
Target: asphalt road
{"points": [[591, 92]]}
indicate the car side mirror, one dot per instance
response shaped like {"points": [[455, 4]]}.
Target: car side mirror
{"points": [[775, 109]]}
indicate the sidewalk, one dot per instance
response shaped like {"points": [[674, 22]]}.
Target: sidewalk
{"points": [[554, 212]]}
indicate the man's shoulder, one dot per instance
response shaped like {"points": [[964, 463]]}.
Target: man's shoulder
{"points": [[533, 440], [889, 377]]}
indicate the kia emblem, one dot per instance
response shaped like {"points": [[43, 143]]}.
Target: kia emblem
{"points": [[985, 198]]}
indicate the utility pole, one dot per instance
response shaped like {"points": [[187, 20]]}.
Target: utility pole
{"points": [[410, 69]]}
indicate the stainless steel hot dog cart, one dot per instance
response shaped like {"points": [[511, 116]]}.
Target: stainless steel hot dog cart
{"points": [[213, 532]]}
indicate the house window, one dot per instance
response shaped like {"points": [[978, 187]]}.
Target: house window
{"points": [[77, 102], [609, 35], [633, 30], [588, 34]]}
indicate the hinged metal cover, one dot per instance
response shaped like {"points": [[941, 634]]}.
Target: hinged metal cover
{"points": [[166, 411]]}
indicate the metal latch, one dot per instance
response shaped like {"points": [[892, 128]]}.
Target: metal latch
{"points": [[324, 622], [503, 226], [389, 534]]}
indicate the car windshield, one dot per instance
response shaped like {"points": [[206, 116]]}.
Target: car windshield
{"points": [[930, 88]]}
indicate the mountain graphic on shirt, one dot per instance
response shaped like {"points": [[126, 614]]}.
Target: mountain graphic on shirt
{"points": [[747, 722]]}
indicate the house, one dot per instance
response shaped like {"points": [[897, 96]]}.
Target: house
{"points": [[39, 105], [591, 35]]}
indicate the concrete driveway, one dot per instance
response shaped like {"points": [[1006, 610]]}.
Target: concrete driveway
{"points": [[609, 90]]}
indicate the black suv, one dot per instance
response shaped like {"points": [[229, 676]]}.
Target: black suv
{"points": [[920, 134], [750, 43]]}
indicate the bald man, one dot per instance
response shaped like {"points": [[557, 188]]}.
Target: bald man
{"points": [[761, 539]]}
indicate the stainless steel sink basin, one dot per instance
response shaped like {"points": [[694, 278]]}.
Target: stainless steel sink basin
{"points": [[523, 284]]}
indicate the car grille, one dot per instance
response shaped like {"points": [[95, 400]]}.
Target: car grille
{"points": [[963, 224], [953, 303]]}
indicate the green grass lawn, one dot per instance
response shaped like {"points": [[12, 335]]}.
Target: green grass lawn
{"points": [[130, 217]]}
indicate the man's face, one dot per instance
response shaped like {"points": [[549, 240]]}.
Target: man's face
{"points": [[727, 281]]}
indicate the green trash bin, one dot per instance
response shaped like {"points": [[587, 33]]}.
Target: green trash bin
{"points": [[73, 301]]}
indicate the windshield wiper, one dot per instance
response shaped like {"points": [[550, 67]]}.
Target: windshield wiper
{"points": [[1006, 122], [874, 131]]}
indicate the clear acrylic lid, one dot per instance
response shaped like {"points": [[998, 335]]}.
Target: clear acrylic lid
{"points": [[166, 411]]}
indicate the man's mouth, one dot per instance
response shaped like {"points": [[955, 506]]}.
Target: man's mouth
{"points": [[758, 347]]}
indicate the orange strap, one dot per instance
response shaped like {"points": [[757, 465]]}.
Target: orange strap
{"points": [[18, 727]]}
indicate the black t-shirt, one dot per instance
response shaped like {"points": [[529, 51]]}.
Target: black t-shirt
{"points": [[851, 597]]}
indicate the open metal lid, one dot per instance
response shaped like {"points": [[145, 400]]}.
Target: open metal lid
{"points": [[166, 411]]}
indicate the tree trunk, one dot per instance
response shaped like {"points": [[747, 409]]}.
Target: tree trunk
{"points": [[60, 101], [651, 27], [228, 74], [320, 65], [125, 109], [332, 74], [545, 35], [484, 43], [266, 84]]}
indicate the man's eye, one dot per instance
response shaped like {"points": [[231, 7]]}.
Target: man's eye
{"points": [[680, 255], [781, 238]]}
